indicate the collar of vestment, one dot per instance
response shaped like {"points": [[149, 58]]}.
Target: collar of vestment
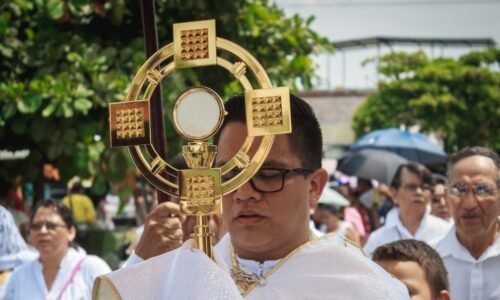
{"points": [[255, 267], [248, 274]]}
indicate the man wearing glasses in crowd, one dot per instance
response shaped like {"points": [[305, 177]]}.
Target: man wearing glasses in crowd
{"points": [[269, 252], [411, 187], [471, 250]]}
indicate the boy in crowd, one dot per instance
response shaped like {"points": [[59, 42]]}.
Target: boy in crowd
{"points": [[418, 266]]}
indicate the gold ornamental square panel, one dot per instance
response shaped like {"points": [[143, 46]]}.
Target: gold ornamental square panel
{"points": [[129, 123], [195, 44], [268, 111], [200, 190]]}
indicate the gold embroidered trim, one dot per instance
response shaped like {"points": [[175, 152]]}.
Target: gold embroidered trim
{"points": [[103, 284], [245, 282]]}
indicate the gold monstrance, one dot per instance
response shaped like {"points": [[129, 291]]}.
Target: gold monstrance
{"points": [[198, 114]]}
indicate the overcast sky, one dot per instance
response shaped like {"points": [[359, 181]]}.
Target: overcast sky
{"points": [[351, 19]]}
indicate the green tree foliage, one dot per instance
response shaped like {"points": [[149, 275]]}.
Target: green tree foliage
{"points": [[457, 98], [63, 61]]}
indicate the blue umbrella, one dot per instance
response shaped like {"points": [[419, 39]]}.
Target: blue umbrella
{"points": [[410, 145]]}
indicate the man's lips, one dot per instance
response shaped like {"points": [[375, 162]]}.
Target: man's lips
{"points": [[249, 217], [470, 217]]}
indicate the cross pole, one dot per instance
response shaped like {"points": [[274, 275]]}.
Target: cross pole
{"points": [[151, 46]]}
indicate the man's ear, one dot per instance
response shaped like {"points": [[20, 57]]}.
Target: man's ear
{"points": [[443, 295], [319, 178]]}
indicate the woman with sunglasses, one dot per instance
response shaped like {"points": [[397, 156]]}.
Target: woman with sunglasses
{"points": [[61, 272]]}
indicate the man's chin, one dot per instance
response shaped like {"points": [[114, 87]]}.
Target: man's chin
{"points": [[470, 228], [249, 239]]}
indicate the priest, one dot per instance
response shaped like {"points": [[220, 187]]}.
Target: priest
{"points": [[269, 251]]}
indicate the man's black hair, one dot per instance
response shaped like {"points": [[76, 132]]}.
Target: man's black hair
{"points": [[418, 169], [305, 140], [421, 253]]}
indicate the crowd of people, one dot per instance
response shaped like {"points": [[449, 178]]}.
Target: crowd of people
{"points": [[438, 235]]}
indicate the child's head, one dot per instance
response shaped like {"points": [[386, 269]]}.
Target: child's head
{"points": [[329, 215], [417, 265]]}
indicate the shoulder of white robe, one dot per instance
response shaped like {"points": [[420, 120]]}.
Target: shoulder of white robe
{"points": [[350, 244], [104, 289], [340, 240]]}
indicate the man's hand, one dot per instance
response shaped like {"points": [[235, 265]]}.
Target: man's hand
{"points": [[162, 231]]}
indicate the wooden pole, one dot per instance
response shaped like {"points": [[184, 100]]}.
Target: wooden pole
{"points": [[151, 46]]}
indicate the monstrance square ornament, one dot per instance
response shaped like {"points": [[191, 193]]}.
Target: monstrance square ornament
{"points": [[200, 190], [129, 123], [268, 111], [195, 44]]}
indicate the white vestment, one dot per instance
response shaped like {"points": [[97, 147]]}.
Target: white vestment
{"points": [[325, 268]]}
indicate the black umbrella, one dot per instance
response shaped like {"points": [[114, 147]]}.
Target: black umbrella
{"points": [[371, 164], [413, 146]]}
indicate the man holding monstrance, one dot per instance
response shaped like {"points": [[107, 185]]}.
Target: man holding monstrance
{"points": [[265, 175]]}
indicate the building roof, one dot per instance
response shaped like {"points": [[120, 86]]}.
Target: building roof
{"points": [[336, 93], [390, 41]]}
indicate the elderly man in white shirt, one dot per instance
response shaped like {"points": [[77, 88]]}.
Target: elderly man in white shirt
{"points": [[471, 250], [411, 187]]}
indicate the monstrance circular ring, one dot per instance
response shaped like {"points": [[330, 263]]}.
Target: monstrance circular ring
{"points": [[157, 171]]}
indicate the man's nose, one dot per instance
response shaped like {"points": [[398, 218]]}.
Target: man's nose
{"points": [[246, 193], [44, 229], [469, 200]]}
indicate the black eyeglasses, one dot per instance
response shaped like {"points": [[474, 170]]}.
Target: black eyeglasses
{"points": [[480, 190], [270, 180], [48, 225]]}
